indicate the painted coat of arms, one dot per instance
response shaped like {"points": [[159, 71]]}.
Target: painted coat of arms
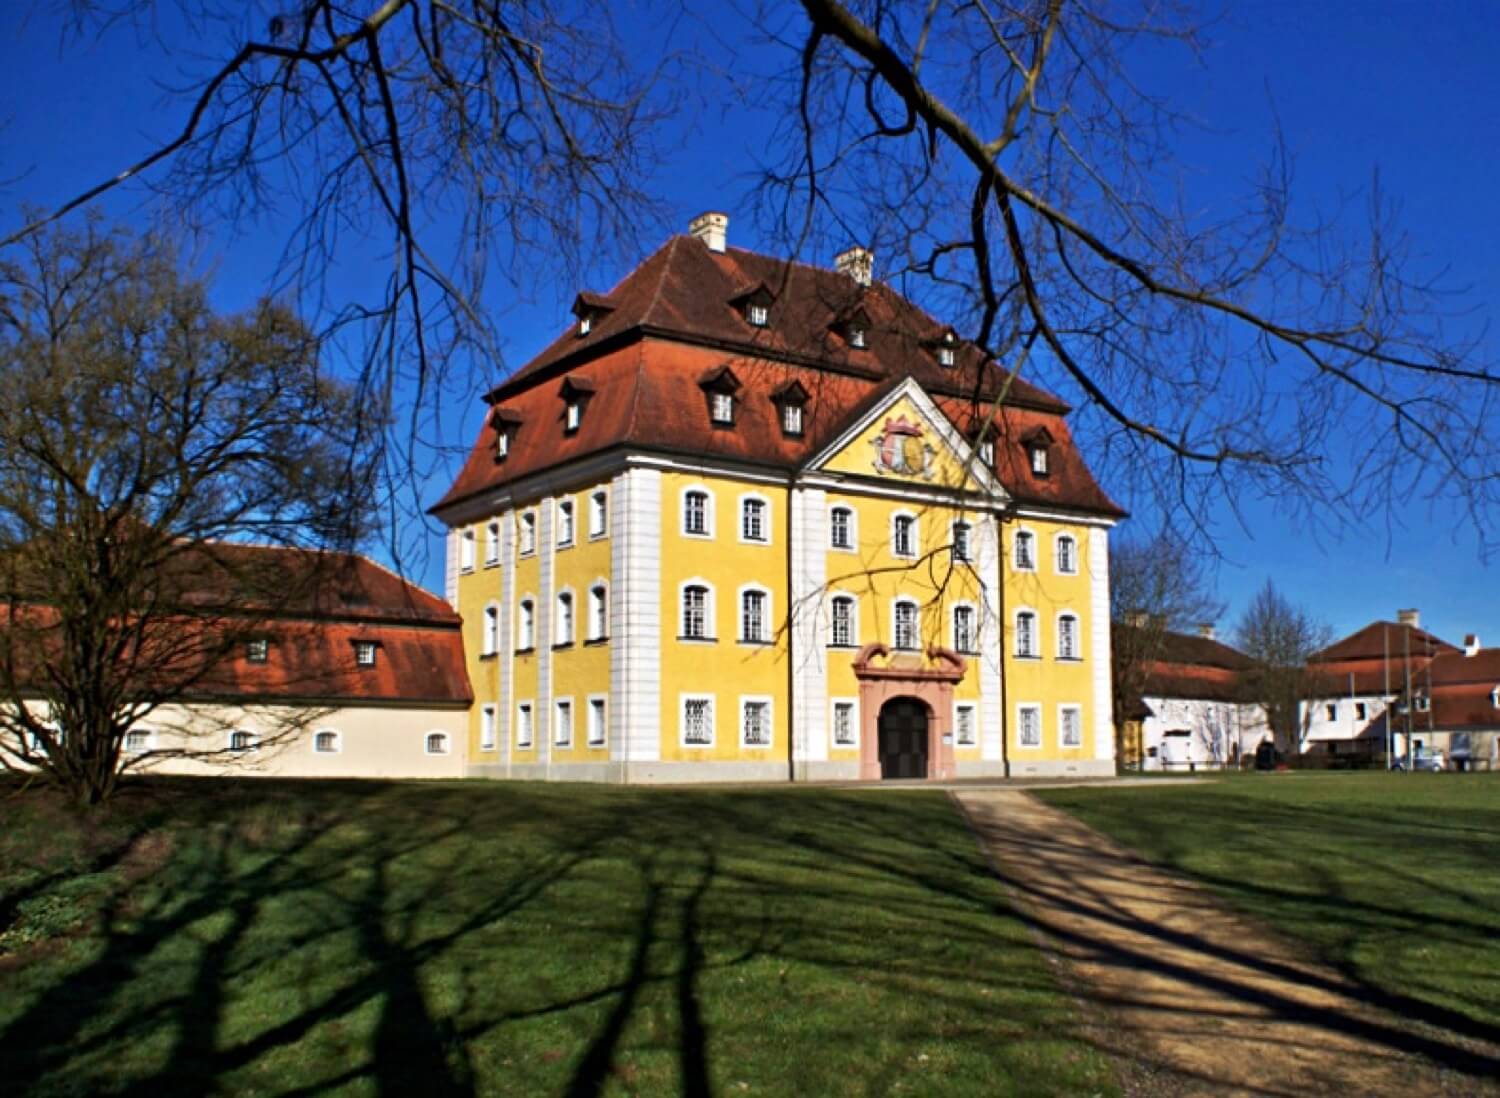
{"points": [[900, 449]]}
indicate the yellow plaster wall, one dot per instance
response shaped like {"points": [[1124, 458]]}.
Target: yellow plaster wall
{"points": [[582, 668], [947, 467], [724, 668], [1046, 680], [876, 577], [477, 588]]}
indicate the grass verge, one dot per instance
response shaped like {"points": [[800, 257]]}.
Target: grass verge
{"points": [[1394, 879], [456, 938]]}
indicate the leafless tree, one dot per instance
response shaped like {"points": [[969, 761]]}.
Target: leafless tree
{"points": [[143, 439], [443, 141], [1280, 637], [1008, 164], [1157, 584]]}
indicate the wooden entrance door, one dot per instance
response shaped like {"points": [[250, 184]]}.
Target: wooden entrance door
{"points": [[903, 739]]}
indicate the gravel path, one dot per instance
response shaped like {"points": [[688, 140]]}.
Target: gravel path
{"points": [[1193, 999]]}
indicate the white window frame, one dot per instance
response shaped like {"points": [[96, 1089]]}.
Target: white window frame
{"points": [[362, 650], [721, 408], [682, 709], [747, 700], [896, 604], [525, 725], [915, 549], [765, 519], [1057, 560], [598, 621], [598, 737], [1041, 732], [572, 415], [526, 623], [258, 650], [833, 709], [489, 727], [585, 324], [767, 633], [858, 337], [561, 706], [527, 528], [492, 543], [338, 741], [1039, 460], [1062, 724], [946, 356], [853, 642], [489, 629], [147, 744], [466, 550], [502, 442], [564, 617], [1015, 549], [986, 451], [973, 646], [853, 528], [447, 741], [759, 316], [598, 514], [1077, 654], [710, 612], [567, 523], [707, 532], [967, 555], [253, 746], [1035, 652], [972, 708], [791, 418]]}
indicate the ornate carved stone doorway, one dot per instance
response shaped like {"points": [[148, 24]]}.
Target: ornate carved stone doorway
{"points": [[895, 690]]}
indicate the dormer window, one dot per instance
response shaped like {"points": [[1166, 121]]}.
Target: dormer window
{"points": [[754, 303], [505, 424], [364, 653], [758, 315], [791, 398], [1038, 445], [855, 328], [720, 386], [589, 308], [721, 408], [987, 452], [257, 650], [576, 392], [945, 348]]}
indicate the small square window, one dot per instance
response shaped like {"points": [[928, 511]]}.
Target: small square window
{"points": [[843, 724], [856, 337], [987, 453], [137, 741], [364, 653], [791, 419], [945, 356], [758, 315], [585, 324], [1039, 460], [258, 650], [721, 407]]}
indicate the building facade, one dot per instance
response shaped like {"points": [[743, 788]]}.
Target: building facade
{"points": [[754, 520]]}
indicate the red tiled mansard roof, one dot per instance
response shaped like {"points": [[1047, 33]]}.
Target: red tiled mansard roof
{"points": [[655, 338]]}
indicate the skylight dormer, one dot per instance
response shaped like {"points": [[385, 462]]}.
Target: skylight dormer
{"points": [[1038, 444], [945, 348], [505, 422], [590, 308], [855, 328], [791, 400], [721, 388], [576, 393], [754, 305]]}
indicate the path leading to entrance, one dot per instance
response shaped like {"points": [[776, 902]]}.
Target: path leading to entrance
{"points": [[1197, 999]]}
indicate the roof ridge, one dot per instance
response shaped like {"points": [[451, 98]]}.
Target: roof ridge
{"points": [[661, 278]]}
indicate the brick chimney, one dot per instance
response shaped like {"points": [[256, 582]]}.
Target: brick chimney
{"points": [[1206, 630], [858, 263], [1412, 618], [712, 228]]}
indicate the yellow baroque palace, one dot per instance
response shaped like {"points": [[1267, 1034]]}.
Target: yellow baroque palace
{"points": [[754, 520]]}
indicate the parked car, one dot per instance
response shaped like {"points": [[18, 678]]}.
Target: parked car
{"points": [[1426, 760]]}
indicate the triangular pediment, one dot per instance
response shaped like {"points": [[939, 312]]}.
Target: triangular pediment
{"points": [[906, 438]]}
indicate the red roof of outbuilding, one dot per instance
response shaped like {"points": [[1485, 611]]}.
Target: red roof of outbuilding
{"points": [[673, 319]]}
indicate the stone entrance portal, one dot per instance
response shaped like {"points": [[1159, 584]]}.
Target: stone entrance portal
{"points": [[906, 712]]}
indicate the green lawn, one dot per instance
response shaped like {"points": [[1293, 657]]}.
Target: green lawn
{"points": [[1394, 879], [279, 938]]}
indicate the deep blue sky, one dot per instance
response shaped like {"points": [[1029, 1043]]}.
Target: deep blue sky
{"points": [[1406, 88]]}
